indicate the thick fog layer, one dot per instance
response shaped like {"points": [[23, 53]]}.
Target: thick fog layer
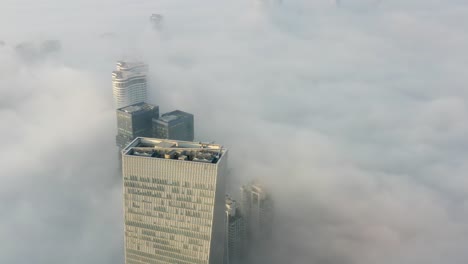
{"points": [[353, 112]]}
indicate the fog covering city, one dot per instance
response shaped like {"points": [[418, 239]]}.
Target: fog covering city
{"points": [[354, 117]]}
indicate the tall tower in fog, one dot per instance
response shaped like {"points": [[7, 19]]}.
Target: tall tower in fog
{"points": [[257, 208], [129, 83], [174, 201], [235, 233]]}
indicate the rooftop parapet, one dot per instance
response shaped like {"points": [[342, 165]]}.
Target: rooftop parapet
{"points": [[174, 115], [125, 75], [175, 150], [231, 206], [126, 70], [136, 108], [131, 66]]}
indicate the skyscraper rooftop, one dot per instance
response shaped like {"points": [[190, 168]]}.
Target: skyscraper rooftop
{"points": [[125, 75], [125, 70], [174, 115], [131, 66], [174, 149], [131, 109]]}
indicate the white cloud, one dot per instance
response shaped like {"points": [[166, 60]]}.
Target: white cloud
{"points": [[354, 116]]}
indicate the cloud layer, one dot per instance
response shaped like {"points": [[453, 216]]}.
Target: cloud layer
{"points": [[353, 116]]}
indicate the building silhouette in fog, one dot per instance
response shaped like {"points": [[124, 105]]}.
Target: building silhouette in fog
{"points": [[235, 233], [174, 201], [176, 125], [156, 21], [134, 121], [129, 83], [257, 208]]}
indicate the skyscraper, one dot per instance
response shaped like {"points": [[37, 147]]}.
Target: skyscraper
{"points": [[257, 208], [156, 21], [235, 233], [129, 83], [176, 125], [174, 201], [134, 121]]}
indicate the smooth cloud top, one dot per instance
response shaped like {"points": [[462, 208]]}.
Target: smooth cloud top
{"points": [[354, 116]]}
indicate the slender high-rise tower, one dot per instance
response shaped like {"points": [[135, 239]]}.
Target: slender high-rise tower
{"points": [[129, 83], [235, 233], [174, 202], [257, 208]]}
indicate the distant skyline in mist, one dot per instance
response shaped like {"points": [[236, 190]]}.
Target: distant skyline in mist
{"points": [[355, 117]]}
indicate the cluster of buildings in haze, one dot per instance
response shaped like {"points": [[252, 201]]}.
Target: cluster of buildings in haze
{"points": [[135, 117], [175, 205]]}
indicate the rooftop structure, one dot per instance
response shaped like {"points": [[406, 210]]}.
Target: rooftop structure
{"points": [[175, 150], [125, 75], [135, 108], [231, 206], [131, 66]]}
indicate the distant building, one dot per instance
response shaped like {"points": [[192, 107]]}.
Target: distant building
{"points": [[174, 202], [134, 121], [33, 51], [129, 83], [50, 46], [257, 208], [177, 125], [156, 20], [235, 233]]}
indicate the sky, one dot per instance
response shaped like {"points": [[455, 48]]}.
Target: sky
{"points": [[353, 115]]}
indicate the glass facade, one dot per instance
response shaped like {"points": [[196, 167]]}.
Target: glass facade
{"points": [[235, 233], [134, 121], [177, 125]]}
